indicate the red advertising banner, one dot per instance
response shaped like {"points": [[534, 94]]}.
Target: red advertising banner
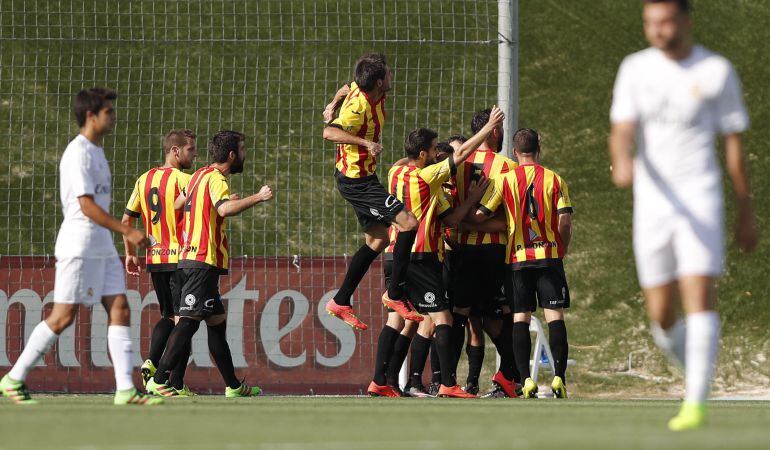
{"points": [[280, 336]]}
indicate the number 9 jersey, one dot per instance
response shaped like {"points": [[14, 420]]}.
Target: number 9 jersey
{"points": [[153, 201]]}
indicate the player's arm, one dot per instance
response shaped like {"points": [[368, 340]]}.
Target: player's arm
{"points": [[100, 217], [475, 191], [565, 229], [746, 228], [621, 144], [235, 206], [496, 117], [340, 136], [179, 202], [132, 260], [333, 106]]}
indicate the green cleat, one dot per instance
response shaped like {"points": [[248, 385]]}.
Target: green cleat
{"points": [[559, 388], [184, 392], [243, 391], [530, 388], [690, 417], [134, 397], [148, 370], [16, 391], [160, 390]]}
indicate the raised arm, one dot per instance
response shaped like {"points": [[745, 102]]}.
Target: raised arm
{"points": [[746, 228], [333, 106], [234, 206], [496, 118], [621, 143]]}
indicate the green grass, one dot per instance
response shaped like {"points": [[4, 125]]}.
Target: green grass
{"points": [[67, 422]]}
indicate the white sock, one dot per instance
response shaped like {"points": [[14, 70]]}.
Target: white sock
{"points": [[40, 341], [702, 350], [119, 342], [671, 341]]}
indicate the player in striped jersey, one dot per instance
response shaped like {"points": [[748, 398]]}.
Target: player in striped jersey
{"points": [[357, 134], [539, 214], [152, 201], [481, 256], [420, 186], [204, 258]]}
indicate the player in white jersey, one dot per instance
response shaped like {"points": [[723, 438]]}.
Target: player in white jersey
{"points": [[88, 269], [674, 98]]}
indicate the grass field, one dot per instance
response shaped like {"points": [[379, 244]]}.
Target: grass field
{"points": [[88, 422]]}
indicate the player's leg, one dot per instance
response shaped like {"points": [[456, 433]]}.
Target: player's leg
{"points": [[400, 350], [553, 297], [445, 350], [466, 269], [474, 350], [418, 356], [176, 379], [667, 330], [161, 282], [216, 326], [524, 304], [499, 327], [385, 345], [406, 223]]}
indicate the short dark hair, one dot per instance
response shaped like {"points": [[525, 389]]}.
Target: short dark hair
{"points": [[370, 68], [526, 140], [91, 99], [223, 143], [456, 137], [177, 138], [419, 140], [480, 119], [444, 147], [684, 5]]}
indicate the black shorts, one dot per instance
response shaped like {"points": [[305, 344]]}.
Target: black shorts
{"points": [[424, 284], [200, 293], [370, 200], [478, 274], [447, 275], [544, 286], [495, 308], [167, 289]]}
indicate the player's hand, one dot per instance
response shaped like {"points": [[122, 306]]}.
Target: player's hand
{"points": [[138, 238], [496, 117], [746, 230], [477, 189], [375, 148], [132, 265], [265, 194], [623, 173]]}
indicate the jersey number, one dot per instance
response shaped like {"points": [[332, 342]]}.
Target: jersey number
{"points": [[155, 206]]}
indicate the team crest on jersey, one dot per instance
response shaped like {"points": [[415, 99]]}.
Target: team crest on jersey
{"points": [[430, 297], [533, 236]]}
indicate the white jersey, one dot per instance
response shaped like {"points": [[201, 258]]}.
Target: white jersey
{"points": [[679, 107], [84, 171]]}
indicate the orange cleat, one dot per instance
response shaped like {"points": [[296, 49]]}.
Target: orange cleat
{"points": [[345, 314], [455, 392], [375, 390], [404, 308], [506, 385]]}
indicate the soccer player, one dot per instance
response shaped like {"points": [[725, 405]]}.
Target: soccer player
{"points": [[539, 215], [674, 98], [357, 134], [153, 201], [480, 256], [204, 257], [88, 269]]}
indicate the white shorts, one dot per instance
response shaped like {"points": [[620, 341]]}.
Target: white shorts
{"points": [[86, 280], [670, 246]]}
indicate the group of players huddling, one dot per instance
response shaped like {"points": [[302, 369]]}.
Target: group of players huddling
{"points": [[472, 239]]}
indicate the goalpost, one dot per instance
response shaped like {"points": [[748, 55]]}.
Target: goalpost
{"points": [[266, 68]]}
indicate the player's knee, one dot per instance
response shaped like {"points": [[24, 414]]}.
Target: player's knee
{"points": [[522, 317], [410, 223], [59, 322], [410, 328], [376, 243], [395, 321]]}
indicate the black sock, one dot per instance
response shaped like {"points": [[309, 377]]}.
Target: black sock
{"points": [[402, 252], [159, 338], [418, 357], [508, 328], [178, 342], [557, 339], [435, 363], [176, 379], [522, 347], [400, 349], [220, 350], [459, 323], [475, 361], [445, 353], [504, 345], [385, 344], [359, 265]]}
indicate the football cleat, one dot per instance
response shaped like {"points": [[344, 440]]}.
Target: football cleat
{"points": [[506, 385], [159, 389], [345, 314], [454, 392], [417, 390], [243, 391], [496, 392], [559, 388], [433, 389], [134, 397], [148, 371], [184, 392], [404, 308], [690, 417], [375, 390], [16, 391], [471, 388], [530, 388]]}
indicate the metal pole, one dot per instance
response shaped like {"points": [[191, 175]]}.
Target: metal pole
{"points": [[508, 67]]}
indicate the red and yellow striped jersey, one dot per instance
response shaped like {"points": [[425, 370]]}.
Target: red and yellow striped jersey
{"points": [[205, 240], [359, 117], [533, 198], [422, 193], [153, 201], [491, 164]]}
